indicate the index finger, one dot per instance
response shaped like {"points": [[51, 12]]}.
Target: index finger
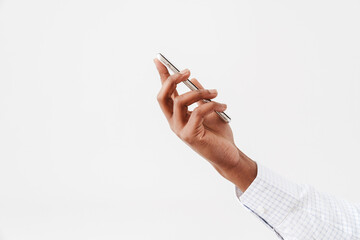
{"points": [[199, 86], [163, 71]]}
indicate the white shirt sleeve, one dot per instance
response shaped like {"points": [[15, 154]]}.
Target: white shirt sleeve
{"points": [[299, 212]]}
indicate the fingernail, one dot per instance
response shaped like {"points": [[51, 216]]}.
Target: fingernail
{"points": [[224, 105], [185, 71], [212, 91]]}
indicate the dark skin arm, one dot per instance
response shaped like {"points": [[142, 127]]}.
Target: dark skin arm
{"points": [[202, 129]]}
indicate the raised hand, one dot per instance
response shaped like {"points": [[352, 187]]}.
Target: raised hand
{"points": [[202, 129]]}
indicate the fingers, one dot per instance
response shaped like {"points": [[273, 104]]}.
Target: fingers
{"points": [[197, 83], [163, 71], [199, 86], [168, 89], [199, 113], [183, 101]]}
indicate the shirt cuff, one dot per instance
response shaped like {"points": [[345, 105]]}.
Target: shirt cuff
{"points": [[270, 196]]}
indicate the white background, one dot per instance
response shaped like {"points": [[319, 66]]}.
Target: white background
{"points": [[85, 152]]}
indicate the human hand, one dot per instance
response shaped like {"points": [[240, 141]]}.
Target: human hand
{"points": [[202, 129]]}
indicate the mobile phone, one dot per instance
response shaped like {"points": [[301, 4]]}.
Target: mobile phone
{"points": [[189, 84]]}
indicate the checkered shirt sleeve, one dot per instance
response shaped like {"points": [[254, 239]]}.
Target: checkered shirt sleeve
{"points": [[299, 212]]}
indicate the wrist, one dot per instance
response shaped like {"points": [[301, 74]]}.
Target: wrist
{"points": [[244, 173]]}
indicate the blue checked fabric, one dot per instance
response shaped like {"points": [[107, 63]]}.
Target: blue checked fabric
{"points": [[299, 212]]}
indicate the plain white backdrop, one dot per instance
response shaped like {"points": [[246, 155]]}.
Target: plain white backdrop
{"points": [[85, 152]]}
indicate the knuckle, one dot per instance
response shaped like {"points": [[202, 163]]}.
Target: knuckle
{"points": [[170, 81], [196, 95], [196, 112], [214, 104], [203, 93], [210, 104], [160, 97], [178, 100], [173, 129], [185, 137], [173, 78]]}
